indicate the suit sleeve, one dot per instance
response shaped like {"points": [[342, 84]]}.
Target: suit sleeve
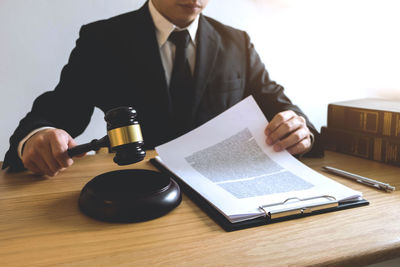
{"points": [[69, 105], [270, 96]]}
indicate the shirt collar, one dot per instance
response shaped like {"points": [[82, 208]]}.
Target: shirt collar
{"points": [[164, 27]]}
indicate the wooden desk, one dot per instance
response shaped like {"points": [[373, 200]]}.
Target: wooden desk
{"points": [[40, 224]]}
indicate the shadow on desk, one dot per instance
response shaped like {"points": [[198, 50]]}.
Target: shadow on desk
{"points": [[390, 263]]}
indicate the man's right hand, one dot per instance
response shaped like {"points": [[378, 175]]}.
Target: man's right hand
{"points": [[45, 152]]}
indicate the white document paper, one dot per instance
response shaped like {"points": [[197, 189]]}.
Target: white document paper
{"points": [[227, 161]]}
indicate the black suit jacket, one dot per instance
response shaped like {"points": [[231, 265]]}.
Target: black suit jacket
{"points": [[116, 62]]}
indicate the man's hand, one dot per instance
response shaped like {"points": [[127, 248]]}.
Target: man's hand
{"points": [[289, 131], [45, 152]]}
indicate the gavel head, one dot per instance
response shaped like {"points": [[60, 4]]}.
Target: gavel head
{"points": [[125, 136]]}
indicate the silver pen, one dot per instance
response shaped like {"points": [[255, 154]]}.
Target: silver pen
{"points": [[360, 179]]}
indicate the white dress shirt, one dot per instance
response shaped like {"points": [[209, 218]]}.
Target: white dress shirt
{"points": [[167, 51]]}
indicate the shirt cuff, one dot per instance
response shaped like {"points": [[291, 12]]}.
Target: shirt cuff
{"points": [[22, 142]]}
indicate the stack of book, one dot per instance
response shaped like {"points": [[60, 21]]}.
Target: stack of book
{"points": [[368, 128]]}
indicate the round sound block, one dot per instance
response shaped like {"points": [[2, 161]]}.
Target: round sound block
{"points": [[129, 196]]}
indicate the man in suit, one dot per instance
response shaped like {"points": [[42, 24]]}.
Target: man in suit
{"points": [[130, 60]]}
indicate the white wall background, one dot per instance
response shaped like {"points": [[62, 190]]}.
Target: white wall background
{"points": [[321, 50]]}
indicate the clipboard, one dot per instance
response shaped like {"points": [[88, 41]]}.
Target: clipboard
{"points": [[268, 218]]}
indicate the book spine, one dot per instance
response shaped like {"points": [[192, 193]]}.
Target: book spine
{"points": [[379, 123], [382, 149]]}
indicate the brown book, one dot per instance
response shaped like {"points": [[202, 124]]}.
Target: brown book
{"points": [[380, 117], [383, 149]]}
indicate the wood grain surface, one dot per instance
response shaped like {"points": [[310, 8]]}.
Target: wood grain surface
{"points": [[41, 225]]}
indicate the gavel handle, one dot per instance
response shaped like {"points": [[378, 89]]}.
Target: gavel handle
{"points": [[93, 145]]}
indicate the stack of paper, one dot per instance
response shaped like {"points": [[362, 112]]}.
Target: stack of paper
{"points": [[227, 161]]}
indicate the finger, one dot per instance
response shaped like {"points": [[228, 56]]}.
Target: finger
{"points": [[59, 151], [72, 143], [42, 165], [292, 139], [278, 119], [51, 162], [81, 155], [37, 152], [285, 129], [31, 166], [301, 147], [29, 158]]}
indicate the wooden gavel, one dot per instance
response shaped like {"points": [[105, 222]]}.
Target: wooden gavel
{"points": [[124, 137]]}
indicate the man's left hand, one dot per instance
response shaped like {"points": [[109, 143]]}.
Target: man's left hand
{"points": [[289, 131]]}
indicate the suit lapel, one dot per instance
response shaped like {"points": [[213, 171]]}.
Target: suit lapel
{"points": [[208, 42], [207, 49], [143, 47]]}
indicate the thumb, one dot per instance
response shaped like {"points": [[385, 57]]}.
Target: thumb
{"points": [[72, 143]]}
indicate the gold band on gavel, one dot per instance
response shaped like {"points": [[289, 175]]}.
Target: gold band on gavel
{"points": [[125, 135]]}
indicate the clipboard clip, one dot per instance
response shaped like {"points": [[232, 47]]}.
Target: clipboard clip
{"points": [[288, 211]]}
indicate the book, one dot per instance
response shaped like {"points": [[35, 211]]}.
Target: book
{"points": [[380, 117], [370, 146], [227, 164]]}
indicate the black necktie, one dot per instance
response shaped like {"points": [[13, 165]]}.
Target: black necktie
{"points": [[181, 84]]}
